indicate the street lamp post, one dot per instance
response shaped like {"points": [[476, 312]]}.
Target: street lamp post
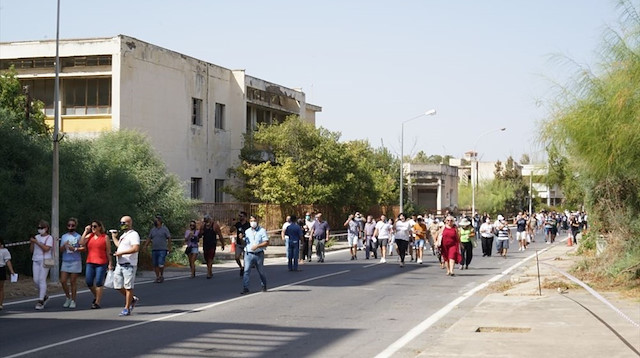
{"points": [[430, 112], [474, 168], [55, 181]]}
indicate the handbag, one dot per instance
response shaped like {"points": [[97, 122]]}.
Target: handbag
{"points": [[48, 263], [474, 242], [108, 281]]}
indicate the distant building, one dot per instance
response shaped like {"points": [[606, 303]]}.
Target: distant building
{"points": [[195, 113], [533, 173], [433, 187], [486, 170]]}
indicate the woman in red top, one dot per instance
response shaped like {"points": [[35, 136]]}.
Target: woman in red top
{"points": [[450, 245], [98, 248]]}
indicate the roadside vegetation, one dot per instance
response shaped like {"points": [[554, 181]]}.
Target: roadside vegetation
{"points": [[593, 139], [116, 174]]}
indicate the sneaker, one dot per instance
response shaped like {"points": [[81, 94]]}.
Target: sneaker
{"points": [[264, 288], [134, 302], [72, 304], [419, 261], [67, 302], [161, 279], [244, 291], [46, 298], [39, 306], [125, 312], [352, 257], [95, 306], [383, 260]]}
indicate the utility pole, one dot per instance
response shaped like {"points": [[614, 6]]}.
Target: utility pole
{"points": [[55, 180]]}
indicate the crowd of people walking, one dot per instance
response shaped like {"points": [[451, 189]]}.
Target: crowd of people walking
{"points": [[450, 239]]}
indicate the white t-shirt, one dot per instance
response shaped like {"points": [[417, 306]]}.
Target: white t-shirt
{"points": [[127, 241], [5, 256], [38, 254], [284, 227], [403, 230], [383, 229]]}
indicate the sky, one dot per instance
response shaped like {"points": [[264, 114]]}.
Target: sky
{"points": [[371, 65]]}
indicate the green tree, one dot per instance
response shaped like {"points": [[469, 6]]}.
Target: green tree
{"points": [[18, 111], [295, 163], [596, 125]]}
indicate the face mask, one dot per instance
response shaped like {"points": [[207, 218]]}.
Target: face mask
{"points": [[42, 231], [308, 217], [123, 227], [253, 224]]}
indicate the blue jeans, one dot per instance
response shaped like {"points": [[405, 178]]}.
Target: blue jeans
{"points": [[250, 259], [293, 251], [95, 274]]}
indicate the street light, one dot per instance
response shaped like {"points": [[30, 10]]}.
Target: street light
{"points": [[430, 112], [474, 168]]}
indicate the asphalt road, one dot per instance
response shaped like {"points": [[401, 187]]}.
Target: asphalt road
{"points": [[334, 309]]}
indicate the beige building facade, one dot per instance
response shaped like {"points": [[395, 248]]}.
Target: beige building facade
{"points": [[433, 187], [194, 113]]}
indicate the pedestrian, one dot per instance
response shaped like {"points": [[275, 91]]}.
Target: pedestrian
{"points": [[70, 250], [124, 276], [160, 240], [438, 242], [382, 234], [521, 231], [307, 245], [360, 221], [370, 244], [320, 234], [486, 236], [5, 261], [402, 229], [466, 232], [412, 222], [42, 257], [504, 235], [434, 228], [283, 235], [575, 227], [420, 231], [392, 238], [211, 234], [257, 240], [295, 234], [241, 226], [353, 233], [191, 239], [98, 248], [450, 245]]}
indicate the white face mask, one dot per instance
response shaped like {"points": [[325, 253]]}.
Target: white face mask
{"points": [[42, 231], [253, 224]]}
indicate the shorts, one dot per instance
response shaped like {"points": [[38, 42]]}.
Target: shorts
{"points": [[71, 266], [95, 274], [502, 244], [352, 239], [194, 250], [420, 243], [383, 242], [521, 235], [124, 277], [3, 273], [158, 257], [209, 253]]}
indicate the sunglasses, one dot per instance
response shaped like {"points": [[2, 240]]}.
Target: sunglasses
{"points": [[94, 226], [123, 223], [71, 225], [42, 227]]}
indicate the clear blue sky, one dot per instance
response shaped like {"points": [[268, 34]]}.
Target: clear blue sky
{"points": [[370, 64]]}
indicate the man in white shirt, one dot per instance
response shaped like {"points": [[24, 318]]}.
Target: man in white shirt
{"points": [[124, 276]]}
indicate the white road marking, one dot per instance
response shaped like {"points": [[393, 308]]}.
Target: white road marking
{"points": [[431, 320], [174, 315]]}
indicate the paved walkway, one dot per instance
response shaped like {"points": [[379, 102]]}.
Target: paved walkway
{"points": [[520, 322]]}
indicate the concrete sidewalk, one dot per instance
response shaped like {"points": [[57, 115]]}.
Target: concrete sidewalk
{"points": [[520, 322]]}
